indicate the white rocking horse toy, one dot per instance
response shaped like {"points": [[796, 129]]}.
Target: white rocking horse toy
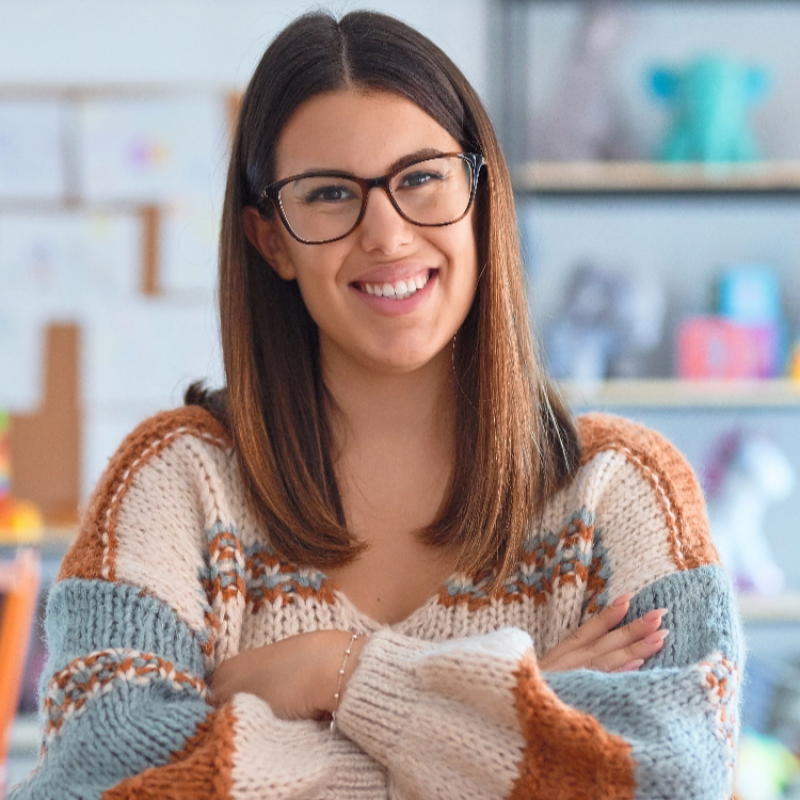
{"points": [[748, 473]]}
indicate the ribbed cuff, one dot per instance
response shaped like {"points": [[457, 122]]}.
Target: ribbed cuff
{"points": [[358, 775], [381, 694]]}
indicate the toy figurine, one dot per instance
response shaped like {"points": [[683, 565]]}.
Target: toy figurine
{"points": [[747, 473], [609, 320], [711, 99], [585, 120]]}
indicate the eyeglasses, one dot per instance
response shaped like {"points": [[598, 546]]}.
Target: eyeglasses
{"points": [[325, 206]]}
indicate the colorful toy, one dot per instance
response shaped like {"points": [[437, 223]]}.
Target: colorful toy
{"points": [[750, 294], [794, 362], [714, 348], [746, 474], [609, 321], [765, 768], [711, 99], [585, 121], [20, 521]]}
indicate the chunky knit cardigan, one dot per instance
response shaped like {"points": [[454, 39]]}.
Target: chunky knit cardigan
{"points": [[170, 575]]}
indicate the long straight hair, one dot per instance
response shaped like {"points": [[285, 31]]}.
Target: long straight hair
{"points": [[516, 444]]}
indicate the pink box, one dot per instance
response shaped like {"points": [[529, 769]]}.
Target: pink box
{"points": [[714, 347]]}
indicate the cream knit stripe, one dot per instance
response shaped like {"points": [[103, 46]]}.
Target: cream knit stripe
{"points": [[664, 502], [409, 702], [304, 759], [160, 528], [125, 481], [630, 517]]}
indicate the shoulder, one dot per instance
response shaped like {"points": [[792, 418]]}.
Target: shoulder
{"points": [[635, 471], [158, 464]]}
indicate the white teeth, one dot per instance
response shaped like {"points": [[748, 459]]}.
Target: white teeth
{"points": [[398, 291]]}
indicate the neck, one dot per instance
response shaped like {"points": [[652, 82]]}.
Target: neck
{"points": [[399, 411]]}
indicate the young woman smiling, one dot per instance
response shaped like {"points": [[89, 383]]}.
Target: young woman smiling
{"points": [[384, 561]]}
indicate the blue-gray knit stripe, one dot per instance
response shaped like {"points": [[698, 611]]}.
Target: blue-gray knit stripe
{"points": [[681, 729], [702, 618], [84, 616], [146, 724]]}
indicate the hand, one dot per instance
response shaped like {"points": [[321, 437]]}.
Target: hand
{"points": [[296, 676], [594, 645]]}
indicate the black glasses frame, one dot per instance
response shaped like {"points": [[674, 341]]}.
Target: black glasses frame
{"points": [[272, 192]]}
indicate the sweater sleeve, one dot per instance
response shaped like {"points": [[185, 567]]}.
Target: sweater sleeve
{"points": [[477, 718], [136, 622]]}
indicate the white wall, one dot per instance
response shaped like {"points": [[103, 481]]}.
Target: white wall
{"points": [[215, 42]]}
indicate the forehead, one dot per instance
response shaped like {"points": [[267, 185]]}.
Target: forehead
{"points": [[357, 131]]}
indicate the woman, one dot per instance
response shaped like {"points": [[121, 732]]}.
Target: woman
{"points": [[384, 562]]}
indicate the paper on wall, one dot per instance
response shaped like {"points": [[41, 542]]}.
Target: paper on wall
{"points": [[152, 150], [70, 255], [32, 149]]}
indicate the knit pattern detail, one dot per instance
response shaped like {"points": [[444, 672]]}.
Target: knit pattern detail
{"points": [[96, 674], [222, 579], [573, 556], [722, 680], [274, 583]]}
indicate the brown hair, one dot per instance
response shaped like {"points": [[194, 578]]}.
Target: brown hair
{"points": [[516, 443]]}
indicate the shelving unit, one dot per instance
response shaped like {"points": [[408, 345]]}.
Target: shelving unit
{"points": [[677, 394], [653, 178], [554, 190]]}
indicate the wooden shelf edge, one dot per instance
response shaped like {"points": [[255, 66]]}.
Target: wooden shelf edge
{"points": [[674, 393], [656, 177]]}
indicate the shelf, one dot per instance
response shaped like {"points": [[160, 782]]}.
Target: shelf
{"points": [[654, 178], [774, 608], [667, 393]]}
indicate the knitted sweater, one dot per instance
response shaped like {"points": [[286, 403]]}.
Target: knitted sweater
{"points": [[170, 575]]}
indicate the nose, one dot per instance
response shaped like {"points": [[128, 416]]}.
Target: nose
{"points": [[382, 228]]}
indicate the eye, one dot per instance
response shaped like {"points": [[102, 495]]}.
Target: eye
{"points": [[421, 177], [329, 193]]}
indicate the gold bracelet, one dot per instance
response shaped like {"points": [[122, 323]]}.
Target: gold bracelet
{"points": [[341, 676]]}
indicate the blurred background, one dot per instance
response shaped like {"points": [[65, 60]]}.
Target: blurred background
{"points": [[655, 152]]}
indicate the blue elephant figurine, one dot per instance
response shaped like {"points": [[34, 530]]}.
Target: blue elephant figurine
{"points": [[711, 97]]}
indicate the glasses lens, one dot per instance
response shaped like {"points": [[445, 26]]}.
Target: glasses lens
{"points": [[434, 192], [319, 207]]}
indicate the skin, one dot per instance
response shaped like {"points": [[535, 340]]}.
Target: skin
{"points": [[391, 378]]}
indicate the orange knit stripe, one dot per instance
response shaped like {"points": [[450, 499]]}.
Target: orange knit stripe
{"points": [[671, 477], [568, 755], [202, 770], [92, 555]]}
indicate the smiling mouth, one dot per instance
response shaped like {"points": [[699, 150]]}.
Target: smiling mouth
{"points": [[398, 290]]}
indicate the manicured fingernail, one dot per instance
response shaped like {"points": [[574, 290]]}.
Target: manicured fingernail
{"points": [[657, 637], [632, 665], [622, 600], [655, 614]]}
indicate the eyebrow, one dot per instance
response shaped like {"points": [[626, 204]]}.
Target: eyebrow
{"points": [[410, 158]]}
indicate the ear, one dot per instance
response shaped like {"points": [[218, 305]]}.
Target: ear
{"points": [[265, 236]]}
